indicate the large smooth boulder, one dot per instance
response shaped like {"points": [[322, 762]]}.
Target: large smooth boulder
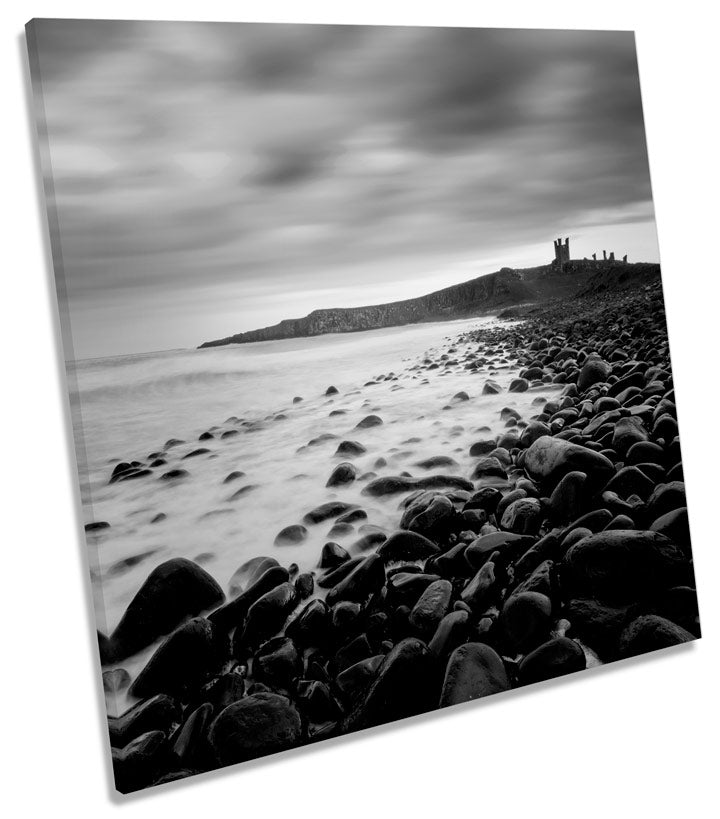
{"points": [[257, 725], [549, 459], [622, 566], [174, 591]]}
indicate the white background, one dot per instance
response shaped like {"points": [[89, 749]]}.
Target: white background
{"points": [[639, 739]]}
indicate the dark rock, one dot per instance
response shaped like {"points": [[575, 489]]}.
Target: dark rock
{"points": [[552, 659], [158, 713], [332, 555], [367, 577], [622, 566], [267, 615], [250, 571], [523, 517], [451, 632], [350, 449], [650, 633], [257, 725], [405, 685], [291, 535], [550, 459], [404, 545], [277, 662], [594, 371], [97, 526], [184, 661], [138, 764], [369, 421], [431, 607], [233, 613], [173, 591], [474, 670], [343, 473], [597, 625], [311, 626], [326, 511], [526, 620], [488, 467]]}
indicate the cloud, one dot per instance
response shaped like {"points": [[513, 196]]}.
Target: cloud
{"points": [[208, 158]]}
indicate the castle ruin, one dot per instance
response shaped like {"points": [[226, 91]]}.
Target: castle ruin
{"points": [[562, 259], [562, 252]]}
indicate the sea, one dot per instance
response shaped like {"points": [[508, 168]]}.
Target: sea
{"points": [[128, 407]]}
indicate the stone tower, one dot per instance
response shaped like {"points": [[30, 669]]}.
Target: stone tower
{"points": [[562, 252]]}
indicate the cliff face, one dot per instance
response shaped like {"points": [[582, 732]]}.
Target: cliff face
{"points": [[458, 301], [506, 288]]}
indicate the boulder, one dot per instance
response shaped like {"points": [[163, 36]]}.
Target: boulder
{"points": [[174, 591], [474, 670], [552, 659], [259, 724], [622, 566], [549, 459]]}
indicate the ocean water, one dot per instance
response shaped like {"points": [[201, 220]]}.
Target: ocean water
{"points": [[126, 408]]}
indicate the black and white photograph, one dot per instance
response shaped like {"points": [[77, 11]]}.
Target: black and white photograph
{"points": [[366, 353]]}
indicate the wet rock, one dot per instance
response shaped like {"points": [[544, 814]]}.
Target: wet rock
{"points": [[650, 633], [622, 566], [158, 713], [304, 585], [428, 515], [488, 467], [174, 474], [277, 662], [354, 681], [550, 459], [367, 577], [266, 616], [523, 516], [184, 661], [519, 385], [526, 620], [233, 476], [250, 571], [594, 371], [350, 449], [291, 535], [431, 607], [630, 480], [675, 526], [474, 670], [343, 474], [479, 591], [332, 555], [173, 591], [666, 498], [233, 613], [405, 685], [451, 632], [508, 544], [369, 421], [311, 626], [437, 462], [552, 659], [316, 701], [190, 746], [480, 448], [326, 511], [333, 576], [405, 545], [596, 624], [628, 431], [138, 764], [259, 724], [569, 497]]}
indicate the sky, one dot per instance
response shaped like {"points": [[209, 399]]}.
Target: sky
{"points": [[211, 178]]}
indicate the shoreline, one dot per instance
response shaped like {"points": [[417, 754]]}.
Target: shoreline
{"points": [[565, 546]]}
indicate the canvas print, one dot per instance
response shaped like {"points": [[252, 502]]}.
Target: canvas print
{"points": [[368, 371]]}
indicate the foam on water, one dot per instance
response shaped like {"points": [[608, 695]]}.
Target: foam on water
{"points": [[129, 407]]}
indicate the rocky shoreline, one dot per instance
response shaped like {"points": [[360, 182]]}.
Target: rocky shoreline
{"points": [[567, 546]]}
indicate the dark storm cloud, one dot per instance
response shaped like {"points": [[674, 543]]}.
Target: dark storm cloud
{"points": [[217, 161]]}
